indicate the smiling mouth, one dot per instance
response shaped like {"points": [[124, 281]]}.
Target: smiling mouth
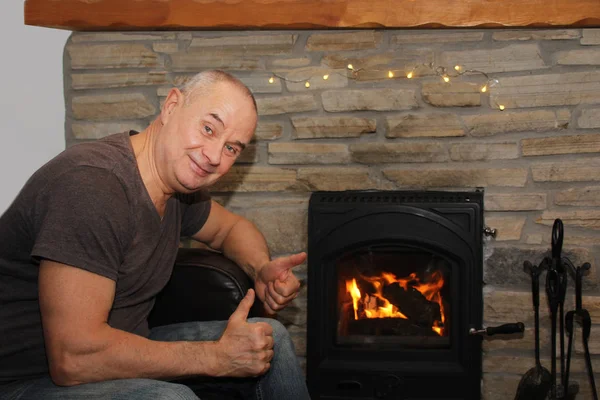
{"points": [[199, 170]]}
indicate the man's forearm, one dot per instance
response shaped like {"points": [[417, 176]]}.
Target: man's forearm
{"points": [[114, 354], [247, 247]]}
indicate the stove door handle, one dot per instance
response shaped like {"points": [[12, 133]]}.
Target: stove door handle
{"points": [[507, 329]]}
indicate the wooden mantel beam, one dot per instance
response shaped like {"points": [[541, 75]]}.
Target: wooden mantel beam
{"points": [[111, 15]]}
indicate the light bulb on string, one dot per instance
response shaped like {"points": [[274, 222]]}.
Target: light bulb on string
{"points": [[307, 84], [271, 80], [501, 107], [457, 67], [350, 67], [409, 75], [446, 78], [390, 74], [325, 77], [484, 89]]}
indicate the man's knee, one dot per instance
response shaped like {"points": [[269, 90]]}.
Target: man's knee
{"points": [[279, 331]]}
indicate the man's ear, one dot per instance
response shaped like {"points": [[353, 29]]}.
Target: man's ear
{"points": [[174, 99]]}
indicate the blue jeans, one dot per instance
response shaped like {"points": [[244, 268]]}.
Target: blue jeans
{"points": [[284, 380]]}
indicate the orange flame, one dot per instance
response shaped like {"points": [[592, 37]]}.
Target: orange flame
{"points": [[368, 303]]}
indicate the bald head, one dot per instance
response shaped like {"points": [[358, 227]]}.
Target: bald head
{"points": [[204, 81]]}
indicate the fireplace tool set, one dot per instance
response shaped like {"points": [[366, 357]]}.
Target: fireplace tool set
{"points": [[538, 383]]}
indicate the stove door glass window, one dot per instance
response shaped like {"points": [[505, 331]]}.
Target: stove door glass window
{"points": [[393, 295]]}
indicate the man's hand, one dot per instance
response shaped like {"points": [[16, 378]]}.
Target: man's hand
{"points": [[245, 349], [276, 285]]}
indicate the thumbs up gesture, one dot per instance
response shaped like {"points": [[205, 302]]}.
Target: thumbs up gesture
{"points": [[245, 349], [276, 285]]}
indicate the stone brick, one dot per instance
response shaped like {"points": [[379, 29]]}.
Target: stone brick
{"points": [[244, 44], [291, 62], [534, 238], [499, 386], [369, 99], [456, 177], [237, 200], [515, 201], [286, 104], [483, 151], [566, 88], [122, 55], [505, 306], [435, 37], [519, 121], [297, 78], [515, 57], [79, 37], [503, 266], [452, 94], [268, 130], [196, 61], [589, 219], [590, 37], [424, 125], [336, 178], [375, 153], [589, 118], [112, 106], [407, 58], [98, 130], [578, 57], [165, 47], [508, 228], [561, 145], [357, 40], [118, 79], [572, 171], [284, 228], [256, 179], [250, 155], [331, 127], [585, 196], [552, 34], [308, 153]]}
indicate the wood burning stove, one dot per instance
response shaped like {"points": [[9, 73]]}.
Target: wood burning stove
{"points": [[394, 286]]}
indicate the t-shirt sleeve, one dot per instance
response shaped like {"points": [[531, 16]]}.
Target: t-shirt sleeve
{"points": [[195, 208], [82, 219]]}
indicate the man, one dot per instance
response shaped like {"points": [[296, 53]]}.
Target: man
{"points": [[91, 239]]}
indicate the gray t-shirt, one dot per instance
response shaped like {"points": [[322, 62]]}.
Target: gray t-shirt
{"points": [[87, 208]]}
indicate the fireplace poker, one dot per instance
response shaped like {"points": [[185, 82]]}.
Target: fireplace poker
{"points": [[586, 323], [557, 243], [553, 293]]}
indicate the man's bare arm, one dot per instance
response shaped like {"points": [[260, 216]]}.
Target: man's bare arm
{"points": [[82, 347]]}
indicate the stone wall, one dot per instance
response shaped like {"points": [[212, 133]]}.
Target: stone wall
{"points": [[537, 160]]}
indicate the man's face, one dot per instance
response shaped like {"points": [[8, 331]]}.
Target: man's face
{"points": [[200, 141]]}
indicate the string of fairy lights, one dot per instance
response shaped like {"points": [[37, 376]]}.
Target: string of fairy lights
{"points": [[444, 73]]}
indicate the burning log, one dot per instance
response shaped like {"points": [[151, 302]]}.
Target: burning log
{"points": [[413, 304]]}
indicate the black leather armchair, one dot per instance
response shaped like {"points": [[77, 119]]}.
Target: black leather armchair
{"points": [[204, 286]]}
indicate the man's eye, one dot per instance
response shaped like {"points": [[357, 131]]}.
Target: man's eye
{"points": [[231, 149], [208, 130]]}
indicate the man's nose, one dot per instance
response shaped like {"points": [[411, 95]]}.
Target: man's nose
{"points": [[213, 152]]}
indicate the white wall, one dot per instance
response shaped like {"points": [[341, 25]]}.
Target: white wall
{"points": [[32, 111]]}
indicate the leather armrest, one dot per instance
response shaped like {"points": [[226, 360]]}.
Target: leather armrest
{"points": [[204, 286]]}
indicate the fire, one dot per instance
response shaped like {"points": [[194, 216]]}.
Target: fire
{"points": [[368, 307]]}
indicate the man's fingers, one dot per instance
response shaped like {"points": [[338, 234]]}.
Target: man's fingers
{"points": [[284, 264], [241, 312]]}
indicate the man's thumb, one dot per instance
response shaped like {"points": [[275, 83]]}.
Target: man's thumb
{"points": [[241, 312]]}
